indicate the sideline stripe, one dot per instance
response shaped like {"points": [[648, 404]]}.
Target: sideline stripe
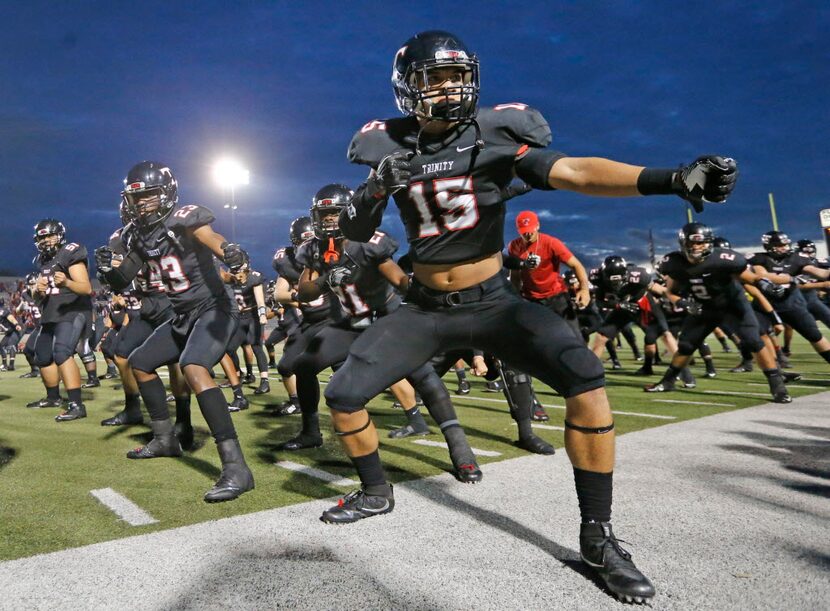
{"points": [[736, 393], [547, 427], [693, 402], [123, 507], [317, 473], [441, 444], [613, 411]]}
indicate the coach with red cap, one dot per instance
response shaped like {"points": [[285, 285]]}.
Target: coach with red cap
{"points": [[536, 258]]}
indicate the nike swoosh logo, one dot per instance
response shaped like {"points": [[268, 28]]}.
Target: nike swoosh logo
{"points": [[466, 148]]}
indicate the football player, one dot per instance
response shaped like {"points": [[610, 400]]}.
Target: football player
{"points": [[810, 285], [706, 282], [178, 244], [29, 304], [446, 164], [63, 292], [12, 332]]}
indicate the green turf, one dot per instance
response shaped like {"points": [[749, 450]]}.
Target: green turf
{"points": [[48, 469]]}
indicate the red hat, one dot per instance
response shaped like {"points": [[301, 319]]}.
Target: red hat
{"points": [[527, 222]]}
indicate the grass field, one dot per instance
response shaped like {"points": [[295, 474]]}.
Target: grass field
{"points": [[47, 470]]}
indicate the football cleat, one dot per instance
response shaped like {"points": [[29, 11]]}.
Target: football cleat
{"points": [[74, 411], [160, 446], [467, 473], [616, 365], [122, 418], [664, 386], [110, 375], [535, 445], [91, 383], [791, 376], [494, 386], [238, 404], [31, 374], [46, 402], [170, 398], [463, 388], [287, 408], [601, 550], [743, 367], [407, 431], [225, 384], [358, 505], [644, 371], [301, 442], [539, 414], [249, 379], [263, 388], [782, 396], [236, 477]]}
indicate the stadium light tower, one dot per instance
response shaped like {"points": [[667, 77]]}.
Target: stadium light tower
{"points": [[229, 174]]}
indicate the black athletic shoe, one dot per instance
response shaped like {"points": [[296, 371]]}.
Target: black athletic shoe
{"points": [[122, 418], [601, 550], [74, 411], [782, 396], [263, 388], [535, 445], [783, 362], [110, 375], [539, 414], [91, 383], [31, 374], [644, 371], [638, 358], [744, 367], [224, 385], [663, 386], [494, 386], [272, 365], [159, 447], [170, 398], [301, 442], [358, 505], [249, 378], [791, 376], [236, 477], [463, 388], [407, 431], [46, 402], [287, 408], [468, 473], [616, 365], [238, 404], [184, 433], [711, 372]]}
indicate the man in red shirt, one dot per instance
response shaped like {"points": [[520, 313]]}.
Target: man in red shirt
{"points": [[536, 258]]}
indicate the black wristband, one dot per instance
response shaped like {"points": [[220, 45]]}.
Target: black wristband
{"points": [[655, 181]]}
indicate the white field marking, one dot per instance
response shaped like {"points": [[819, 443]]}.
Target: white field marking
{"points": [[547, 427], [123, 507], [658, 416], [693, 402], [737, 394], [441, 444], [793, 384], [317, 473]]}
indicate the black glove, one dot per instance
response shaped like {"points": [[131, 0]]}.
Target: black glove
{"points": [[339, 276], [628, 306], [393, 174], [692, 308], [770, 289], [103, 259], [532, 262], [710, 178], [514, 190], [233, 256]]}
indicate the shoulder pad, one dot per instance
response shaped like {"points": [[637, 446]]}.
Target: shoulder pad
{"points": [[517, 122], [381, 247], [377, 139], [190, 217], [71, 254], [304, 254], [255, 279]]}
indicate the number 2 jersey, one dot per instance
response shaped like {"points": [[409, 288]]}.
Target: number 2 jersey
{"points": [[59, 303], [177, 260], [712, 282], [453, 209], [370, 291]]}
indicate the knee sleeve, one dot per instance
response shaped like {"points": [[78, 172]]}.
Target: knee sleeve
{"points": [[685, 347]]}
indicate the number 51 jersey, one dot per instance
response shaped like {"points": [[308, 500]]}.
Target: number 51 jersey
{"points": [[182, 263]]}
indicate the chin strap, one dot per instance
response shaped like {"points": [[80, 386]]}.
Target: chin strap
{"points": [[331, 255]]}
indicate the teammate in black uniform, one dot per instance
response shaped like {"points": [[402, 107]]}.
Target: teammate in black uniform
{"points": [[29, 304], [178, 244], [12, 331], [446, 164], [706, 282], [63, 290], [810, 285], [784, 265]]}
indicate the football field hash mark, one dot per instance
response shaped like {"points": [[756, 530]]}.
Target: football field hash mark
{"points": [[316, 473], [441, 444], [123, 507]]}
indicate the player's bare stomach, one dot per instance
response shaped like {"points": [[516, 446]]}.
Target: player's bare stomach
{"points": [[457, 276]]}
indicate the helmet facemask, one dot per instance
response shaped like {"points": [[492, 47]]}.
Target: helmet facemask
{"points": [[326, 221], [443, 90], [777, 244], [696, 247]]}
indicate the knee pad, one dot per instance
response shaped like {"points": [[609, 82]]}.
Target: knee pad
{"points": [[61, 354], [685, 347], [581, 363], [342, 399]]}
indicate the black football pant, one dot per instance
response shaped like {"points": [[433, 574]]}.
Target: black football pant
{"points": [[57, 341], [738, 318], [495, 320], [817, 307], [297, 344]]}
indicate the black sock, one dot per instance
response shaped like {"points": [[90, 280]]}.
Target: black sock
{"points": [[214, 408], [648, 362], [249, 369], [460, 451], [311, 423], [825, 355], [183, 410], [294, 399], [74, 395], [461, 373], [371, 474], [671, 374], [723, 342], [237, 391], [155, 398], [415, 419], [52, 392], [132, 404], [92, 376], [594, 491], [612, 350]]}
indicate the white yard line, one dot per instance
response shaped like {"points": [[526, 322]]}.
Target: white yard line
{"points": [[441, 444], [794, 384], [503, 402], [123, 507], [316, 473], [736, 393], [693, 402], [547, 427]]}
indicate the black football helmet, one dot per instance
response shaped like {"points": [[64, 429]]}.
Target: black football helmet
{"points": [[777, 244], [806, 247], [614, 272], [691, 235], [421, 56], [325, 210], [301, 230], [149, 178], [45, 228], [720, 242]]}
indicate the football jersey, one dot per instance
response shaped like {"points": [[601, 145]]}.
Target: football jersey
{"points": [[286, 265], [369, 290], [542, 281], [634, 287], [182, 264], [712, 282], [5, 323], [243, 292], [32, 306], [453, 208], [59, 303], [792, 264]]}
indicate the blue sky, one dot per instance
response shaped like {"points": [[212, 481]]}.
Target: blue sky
{"points": [[87, 89]]}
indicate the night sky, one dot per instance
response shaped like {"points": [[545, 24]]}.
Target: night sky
{"points": [[87, 89]]}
